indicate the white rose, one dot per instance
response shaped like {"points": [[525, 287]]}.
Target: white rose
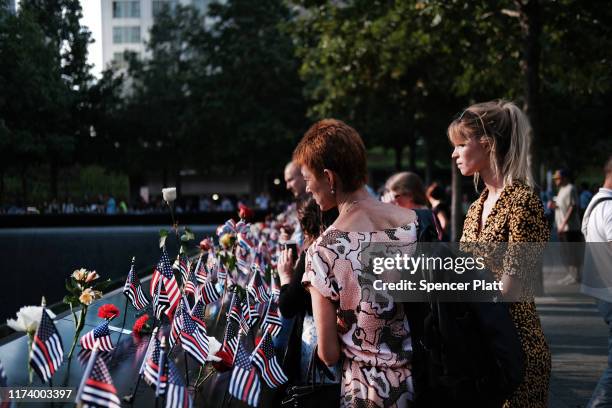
{"points": [[28, 318], [169, 194], [213, 347]]}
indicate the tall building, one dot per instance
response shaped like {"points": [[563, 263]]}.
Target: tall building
{"points": [[126, 25]]}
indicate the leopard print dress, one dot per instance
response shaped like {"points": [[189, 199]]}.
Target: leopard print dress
{"points": [[518, 216]]}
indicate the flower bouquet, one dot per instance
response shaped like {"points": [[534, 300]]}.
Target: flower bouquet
{"points": [[83, 288]]}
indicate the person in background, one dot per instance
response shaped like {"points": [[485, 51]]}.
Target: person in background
{"points": [[597, 230], [294, 300], [294, 180], [491, 142], [567, 220], [406, 190], [437, 199]]}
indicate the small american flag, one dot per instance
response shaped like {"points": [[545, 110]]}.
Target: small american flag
{"points": [[161, 302], [99, 390], [100, 333], [244, 382], [191, 285], [232, 328], [236, 314], [272, 322], [198, 315], [47, 350], [228, 227], [133, 290], [221, 272], [151, 369], [257, 289], [177, 395], [177, 324], [200, 269], [163, 271], [193, 341], [209, 293], [249, 311], [183, 267], [245, 242], [264, 358]]}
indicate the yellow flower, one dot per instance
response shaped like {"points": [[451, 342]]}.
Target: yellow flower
{"points": [[93, 275], [80, 274], [87, 297]]}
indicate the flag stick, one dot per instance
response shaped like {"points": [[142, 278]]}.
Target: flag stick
{"points": [[130, 398], [90, 363], [122, 325], [160, 372]]}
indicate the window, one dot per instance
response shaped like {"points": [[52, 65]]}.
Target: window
{"points": [[124, 35], [158, 5], [126, 9], [119, 58]]}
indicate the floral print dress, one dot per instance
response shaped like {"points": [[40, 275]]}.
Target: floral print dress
{"points": [[374, 334]]}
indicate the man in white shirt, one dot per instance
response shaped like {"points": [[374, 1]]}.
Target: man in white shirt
{"points": [[567, 220], [597, 229]]}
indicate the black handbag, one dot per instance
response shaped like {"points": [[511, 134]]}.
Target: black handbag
{"points": [[314, 394]]}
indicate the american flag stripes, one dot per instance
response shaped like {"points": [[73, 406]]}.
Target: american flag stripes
{"points": [[170, 288], [244, 382], [183, 267], [249, 310], [47, 351], [264, 358], [99, 390], [133, 290], [209, 292], [232, 328], [193, 341], [245, 242], [200, 269], [191, 284], [177, 395], [100, 333], [221, 272], [257, 289], [272, 322], [161, 302], [236, 313], [152, 367], [197, 314], [177, 324]]}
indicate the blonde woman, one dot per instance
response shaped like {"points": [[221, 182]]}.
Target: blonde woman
{"points": [[491, 142]]}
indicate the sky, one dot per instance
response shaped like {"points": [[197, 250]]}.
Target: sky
{"points": [[92, 18]]}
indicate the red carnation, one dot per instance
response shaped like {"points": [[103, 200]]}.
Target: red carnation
{"points": [[226, 361], [244, 212], [205, 244], [108, 311], [140, 324]]}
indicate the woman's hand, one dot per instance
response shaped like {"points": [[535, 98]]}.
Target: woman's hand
{"points": [[285, 266]]}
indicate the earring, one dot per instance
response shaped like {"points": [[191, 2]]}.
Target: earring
{"points": [[332, 190]]}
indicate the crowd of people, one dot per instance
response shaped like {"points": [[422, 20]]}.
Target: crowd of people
{"points": [[401, 354]]}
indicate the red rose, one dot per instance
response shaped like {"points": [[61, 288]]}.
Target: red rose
{"points": [[205, 244], [226, 362], [108, 311], [244, 212], [140, 324]]}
